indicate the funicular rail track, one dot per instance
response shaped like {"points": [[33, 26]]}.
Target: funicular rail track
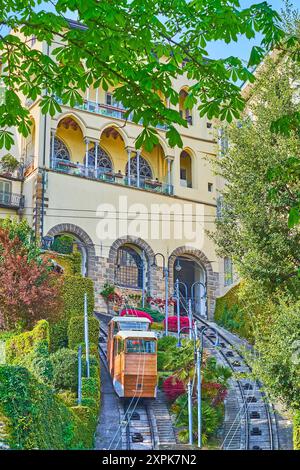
{"points": [[256, 419], [136, 430]]}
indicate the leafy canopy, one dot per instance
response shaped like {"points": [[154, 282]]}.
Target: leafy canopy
{"points": [[260, 192], [137, 45]]}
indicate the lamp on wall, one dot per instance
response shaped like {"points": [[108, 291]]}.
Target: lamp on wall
{"points": [[178, 266]]}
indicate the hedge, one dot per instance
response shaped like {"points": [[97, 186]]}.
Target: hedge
{"points": [[73, 290], [228, 313], [71, 264], [38, 362], [65, 369], [76, 331], [296, 430], [37, 419], [19, 345]]}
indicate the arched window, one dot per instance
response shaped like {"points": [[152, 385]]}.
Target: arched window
{"points": [[103, 159], [145, 169], [184, 112], [129, 269], [185, 169], [60, 149]]}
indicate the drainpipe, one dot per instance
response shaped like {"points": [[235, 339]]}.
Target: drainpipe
{"points": [[44, 164]]}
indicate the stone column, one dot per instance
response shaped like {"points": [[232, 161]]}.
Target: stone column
{"points": [[52, 165], [87, 143], [96, 157], [129, 164], [169, 176], [138, 168]]}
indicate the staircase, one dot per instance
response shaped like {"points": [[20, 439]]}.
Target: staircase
{"points": [[162, 424]]}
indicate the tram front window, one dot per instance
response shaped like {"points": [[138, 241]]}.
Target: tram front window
{"points": [[131, 326], [138, 346]]}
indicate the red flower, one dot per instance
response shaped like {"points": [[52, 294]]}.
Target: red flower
{"points": [[173, 388]]}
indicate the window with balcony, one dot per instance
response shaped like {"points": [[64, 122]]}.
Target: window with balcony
{"points": [[185, 169], [60, 149], [5, 192], [184, 112], [145, 169], [103, 159], [129, 269], [111, 101]]}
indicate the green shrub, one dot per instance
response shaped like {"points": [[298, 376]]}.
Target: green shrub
{"points": [[63, 244], [69, 398], [296, 430], [58, 334], [229, 314], [20, 345], [73, 291], [162, 360], [157, 326], [90, 388], [76, 331], [155, 314], [37, 419], [71, 263], [87, 416], [166, 343], [65, 369], [39, 363]]}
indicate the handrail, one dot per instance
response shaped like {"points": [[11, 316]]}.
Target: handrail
{"points": [[103, 174], [11, 199]]}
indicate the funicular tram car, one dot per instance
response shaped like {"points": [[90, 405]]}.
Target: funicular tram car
{"points": [[132, 357]]}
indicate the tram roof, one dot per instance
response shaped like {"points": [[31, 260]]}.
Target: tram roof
{"points": [[131, 319], [136, 334]]}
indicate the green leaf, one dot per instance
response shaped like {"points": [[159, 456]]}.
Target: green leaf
{"points": [[294, 216], [6, 139]]}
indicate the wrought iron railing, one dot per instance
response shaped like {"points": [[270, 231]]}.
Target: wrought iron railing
{"points": [[108, 111], [102, 174], [12, 200]]}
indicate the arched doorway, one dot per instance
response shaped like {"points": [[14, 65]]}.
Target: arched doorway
{"points": [[190, 272], [83, 243], [66, 244], [130, 270]]}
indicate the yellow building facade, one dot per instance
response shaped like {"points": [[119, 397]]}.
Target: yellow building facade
{"points": [[132, 213]]}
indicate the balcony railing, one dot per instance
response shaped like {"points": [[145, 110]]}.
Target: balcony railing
{"points": [[101, 174], [11, 200], [108, 111]]}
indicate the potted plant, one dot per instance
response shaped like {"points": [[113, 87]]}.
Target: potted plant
{"points": [[9, 164], [107, 293]]}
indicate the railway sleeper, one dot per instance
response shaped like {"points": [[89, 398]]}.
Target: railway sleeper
{"points": [[137, 437], [254, 415], [256, 431]]}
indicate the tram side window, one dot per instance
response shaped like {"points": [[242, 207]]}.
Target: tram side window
{"points": [[138, 346], [118, 346]]}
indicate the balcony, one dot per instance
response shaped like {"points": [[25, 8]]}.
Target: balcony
{"points": [[107, 111], [100, 174], [11, 200]]}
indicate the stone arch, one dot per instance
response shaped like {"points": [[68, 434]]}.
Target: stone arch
{"points": [[138, 242], [83, 237], [121, 131], [76, 118], [162, 142], [211, 276]]}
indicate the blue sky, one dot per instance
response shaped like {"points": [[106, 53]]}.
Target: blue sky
{"points": [[243, 47]]}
